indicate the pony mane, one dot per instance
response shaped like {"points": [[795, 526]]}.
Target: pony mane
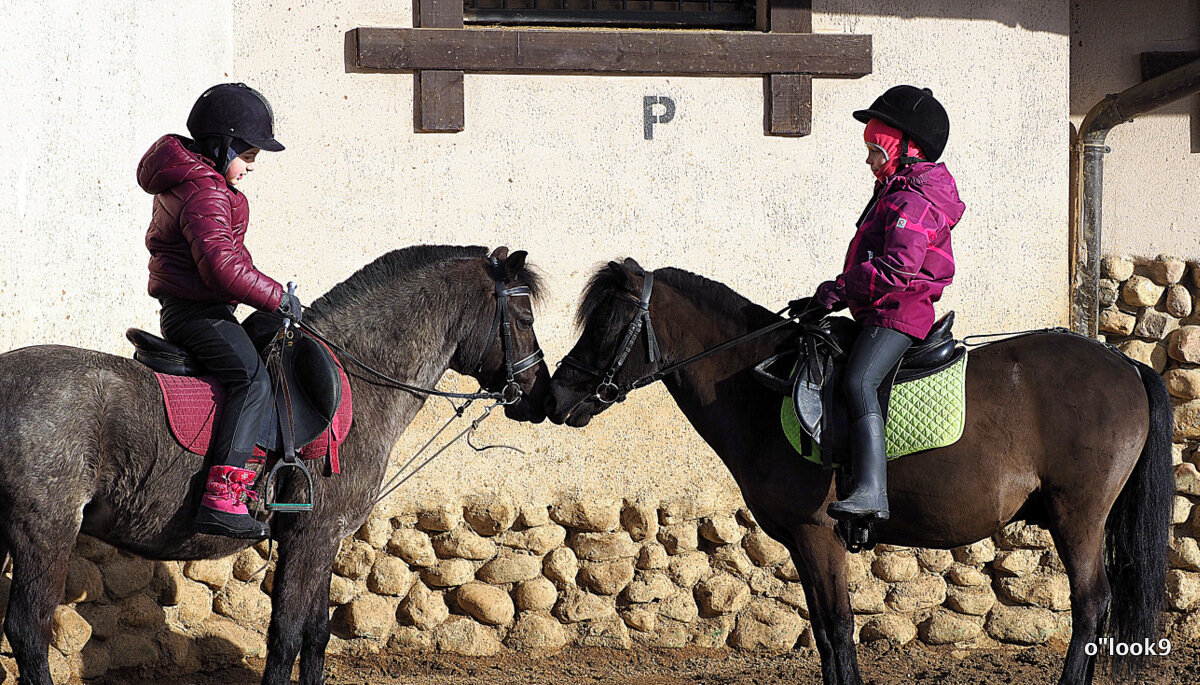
{"points": [[407, 263], [617, 278]]}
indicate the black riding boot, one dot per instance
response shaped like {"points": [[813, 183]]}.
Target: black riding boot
{"points": [[868, 451]]}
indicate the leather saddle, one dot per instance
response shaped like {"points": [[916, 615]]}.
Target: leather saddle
{"points": [[310, 371], [812, 375]]}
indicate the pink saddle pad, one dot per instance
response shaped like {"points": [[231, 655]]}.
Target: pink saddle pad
{"points": [[193, 403]]}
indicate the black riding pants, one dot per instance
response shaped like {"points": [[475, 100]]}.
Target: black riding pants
{"points": [[210, 332], [875, 353]]}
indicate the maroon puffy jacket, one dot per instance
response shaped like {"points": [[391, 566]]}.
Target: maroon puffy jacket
{"points": [[197, 231]]}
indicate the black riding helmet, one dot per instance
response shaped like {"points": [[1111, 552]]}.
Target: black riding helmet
{"points": [[914, 111], [229, 119]]}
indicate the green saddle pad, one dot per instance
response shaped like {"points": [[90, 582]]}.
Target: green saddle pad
{"points": [[923, 414]]}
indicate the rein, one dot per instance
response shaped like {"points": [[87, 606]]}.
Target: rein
{"points": [[608, 392]]}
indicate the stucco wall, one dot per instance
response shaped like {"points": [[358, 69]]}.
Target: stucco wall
{"points": [[554, 165], [1150, 176]]}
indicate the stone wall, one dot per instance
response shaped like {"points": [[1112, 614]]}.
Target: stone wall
{"points": [[488, 574]]}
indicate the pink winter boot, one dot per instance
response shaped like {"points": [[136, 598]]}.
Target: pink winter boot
{"points": [[223, 509]]}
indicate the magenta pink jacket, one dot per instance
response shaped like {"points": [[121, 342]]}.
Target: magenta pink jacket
{"points": [[900, 260], [197, 232]]}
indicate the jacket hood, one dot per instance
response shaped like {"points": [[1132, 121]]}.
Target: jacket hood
{"points": [[169, 163], [935, 184]]}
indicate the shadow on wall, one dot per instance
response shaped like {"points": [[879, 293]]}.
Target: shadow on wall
{"points": [[130, 620]]}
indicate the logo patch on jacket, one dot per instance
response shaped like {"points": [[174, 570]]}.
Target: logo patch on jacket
{"points": [[902, 223]]}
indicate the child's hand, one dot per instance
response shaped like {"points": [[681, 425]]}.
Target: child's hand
{"points": [[291, 308]]}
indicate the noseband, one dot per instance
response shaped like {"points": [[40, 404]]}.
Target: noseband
{"points": [[608, 392], [502, 328]]}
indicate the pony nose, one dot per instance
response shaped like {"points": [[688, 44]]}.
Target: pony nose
{"points": [[552, 406]]}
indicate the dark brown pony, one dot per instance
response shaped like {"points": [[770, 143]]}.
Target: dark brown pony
{"points": [[1061, 431], [85, 444]]}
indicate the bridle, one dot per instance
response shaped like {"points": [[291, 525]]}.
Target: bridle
{"points": [[502, 328], [607, 391]]}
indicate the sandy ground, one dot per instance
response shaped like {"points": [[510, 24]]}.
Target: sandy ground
{"points": [[881, 665]]}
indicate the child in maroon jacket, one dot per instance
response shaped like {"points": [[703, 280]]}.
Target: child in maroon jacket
{"points": [[898, 263], [200, 271]]}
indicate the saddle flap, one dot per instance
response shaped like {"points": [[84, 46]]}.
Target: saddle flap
{"points": [[315, 388]]}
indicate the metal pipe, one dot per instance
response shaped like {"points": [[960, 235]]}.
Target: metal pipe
{"points": [[1089, 150]]}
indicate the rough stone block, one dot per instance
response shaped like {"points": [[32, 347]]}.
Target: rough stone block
{"points": [[723, 530], [589, 514], [390, 576], [424, 608], [608, 633], [126, 574], [689, 568], [640, 520], [1117, 322], [1051, 591], [1154, 325], [976, 553], [947, 627], [896, 568], [561, 566], [491, 515], [449, 573], [1140, 291], [1021, 625], [539, 540], [245, 604], [763, 549], [84, 582], [1151, 354], [604, 546], [413, 546], [766, 625], [369, 616], [891, 627], [935, 560], [606, 577], [1179, 302], [1183, 383], [69, 632], [1183, 589], [652, 556], [463, 543], [375, 531], [461, 635], [679, 538], [538, 594], [651, 586], [574, 606], [975, 600], [486, 604], [1166, 270], [1184, 345], [354, 559], [1117, 268], [141, 611], [722, 593], [536, 634], [921, 593]]}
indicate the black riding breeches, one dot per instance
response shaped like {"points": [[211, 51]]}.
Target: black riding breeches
{"points": [[210, 332], [875, 353]]}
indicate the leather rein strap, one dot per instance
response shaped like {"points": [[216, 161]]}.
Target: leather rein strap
{"points": [[608, 392]]}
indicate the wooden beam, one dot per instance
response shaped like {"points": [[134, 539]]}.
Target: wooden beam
{"points": [[615, 52], [438, 105], [789, 96]]}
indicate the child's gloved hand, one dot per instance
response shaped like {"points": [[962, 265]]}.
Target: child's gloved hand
{"points": [[291, 308]]}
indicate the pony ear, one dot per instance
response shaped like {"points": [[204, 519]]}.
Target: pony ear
{"points": [[515, 263], [499, 254], [632, 264]]}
